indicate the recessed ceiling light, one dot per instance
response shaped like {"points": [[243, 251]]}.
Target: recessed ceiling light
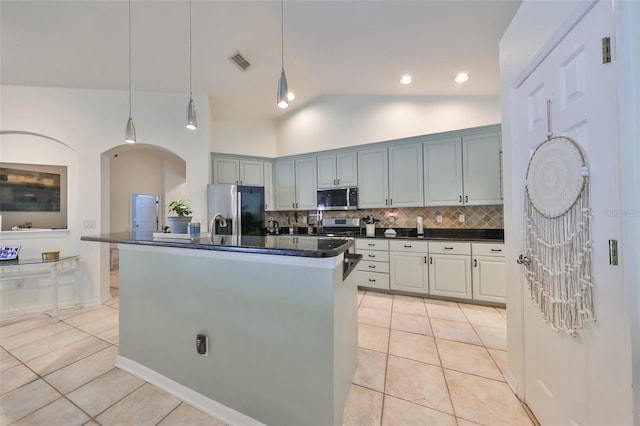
{"points": [[406, 79], [291, 96], [461, 78]]}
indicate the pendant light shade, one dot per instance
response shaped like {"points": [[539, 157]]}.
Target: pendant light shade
{"points": [[130, 132], [192, 118], [283, 102]]}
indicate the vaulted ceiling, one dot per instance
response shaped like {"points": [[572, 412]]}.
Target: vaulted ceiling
{"points": [[359, 47]]}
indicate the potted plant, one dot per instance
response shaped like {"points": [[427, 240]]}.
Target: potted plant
{"points": [[180, 223]]}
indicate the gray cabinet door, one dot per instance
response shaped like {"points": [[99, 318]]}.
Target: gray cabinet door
{"points": [[327, 171], [226, 171], [405, 176], [285, 185], [347, 169], [482, 169], [373, 175], [443, 172], [306, 187]]}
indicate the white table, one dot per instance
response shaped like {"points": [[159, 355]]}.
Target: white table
{"points": [[37, 268]]}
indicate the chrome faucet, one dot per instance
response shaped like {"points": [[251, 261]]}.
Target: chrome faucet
{"points": [[212, 225]]}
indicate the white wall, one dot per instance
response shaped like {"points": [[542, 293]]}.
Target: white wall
{"points": [[244, 137], [339, 121], [91, 122]]}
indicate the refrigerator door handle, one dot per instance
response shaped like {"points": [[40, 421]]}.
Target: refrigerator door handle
{"points": [[238, 221]]}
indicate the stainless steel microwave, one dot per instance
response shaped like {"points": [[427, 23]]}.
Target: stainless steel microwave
{"points": [[338, 199]]}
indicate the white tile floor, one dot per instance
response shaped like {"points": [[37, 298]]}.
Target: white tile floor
{"points": [[420, 362]]}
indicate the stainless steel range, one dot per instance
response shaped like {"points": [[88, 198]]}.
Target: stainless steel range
{"points": [[340, 227]]}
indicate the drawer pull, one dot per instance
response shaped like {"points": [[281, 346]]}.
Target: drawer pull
{"points": [[372, 255], [496, 250], [448, 248], [372, 266], [407, 246], [371, 244], [371, 280]]}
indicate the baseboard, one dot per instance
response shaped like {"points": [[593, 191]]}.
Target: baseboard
{"points": [[191, 397]]}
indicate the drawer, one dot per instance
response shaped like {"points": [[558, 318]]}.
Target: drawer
{"points": [[408, 246], [367, 266], [372, 280], [487, 249], [375, 256], [371, 244], [448, 247]]}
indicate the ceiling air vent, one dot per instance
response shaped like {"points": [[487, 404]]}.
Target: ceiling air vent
{"points": [[240, 61]]}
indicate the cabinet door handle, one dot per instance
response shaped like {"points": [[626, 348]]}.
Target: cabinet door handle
{"points": [[407, 246], [371, 280], [337, 181], [475, 263], [425, 259], [430, 260], [372, 266], [391, 201], [448, 248], [386, 202], [371, 245], [459, 198], [466, 198], [496, 250], [372, 255]]}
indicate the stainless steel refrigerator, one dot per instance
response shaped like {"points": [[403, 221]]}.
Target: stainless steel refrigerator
{"points": [[241, 206]]}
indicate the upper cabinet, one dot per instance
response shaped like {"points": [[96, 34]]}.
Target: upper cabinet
{"points": [[463, 170], [443, 172], [482, 169], [247, 171], [233, 171], [390, 177], [337, 170], [296, 184]]}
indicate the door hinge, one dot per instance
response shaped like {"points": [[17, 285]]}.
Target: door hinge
{"points": [[606, 50], [613, 252]]}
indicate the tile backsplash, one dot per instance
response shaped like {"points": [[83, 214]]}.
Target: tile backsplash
{"points": [[475, 217]]}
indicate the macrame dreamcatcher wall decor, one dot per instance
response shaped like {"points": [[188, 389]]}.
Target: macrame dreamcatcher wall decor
{"points": [[557, 233]]}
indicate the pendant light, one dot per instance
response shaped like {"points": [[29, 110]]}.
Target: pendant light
{"points": [[130, 132], [192, 118], [283, 102]]}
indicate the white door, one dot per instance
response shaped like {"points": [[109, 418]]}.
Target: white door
{"points": [[584, 379], [450, 275], [144, 212]]}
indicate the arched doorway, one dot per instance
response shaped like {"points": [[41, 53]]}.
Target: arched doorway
{"points": [[136, 169]]}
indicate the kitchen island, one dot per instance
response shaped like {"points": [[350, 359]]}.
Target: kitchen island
{"points": [[280, 322]]}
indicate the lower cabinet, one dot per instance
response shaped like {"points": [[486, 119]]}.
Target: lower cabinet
{"points": [[373, 269], [450, 269], [489, 283], [408, 266]]}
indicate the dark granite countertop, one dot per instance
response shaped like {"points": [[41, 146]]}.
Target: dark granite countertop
{"points": [[481, 235], [281, 245]]}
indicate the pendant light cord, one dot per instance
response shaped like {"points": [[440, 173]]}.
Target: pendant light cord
{"points": [[190, 55], [129, 58], [282, 32]]}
